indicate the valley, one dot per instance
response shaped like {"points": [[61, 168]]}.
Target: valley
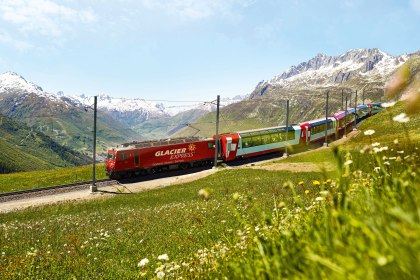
{"points": [[68, 119]]}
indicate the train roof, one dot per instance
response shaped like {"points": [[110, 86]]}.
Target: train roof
{"points": [[268, 129], [161, 142], [321, 120], [363, 106]]}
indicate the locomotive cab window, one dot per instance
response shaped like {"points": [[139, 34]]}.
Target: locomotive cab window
{"points": [[111, 156], [122, 156]]}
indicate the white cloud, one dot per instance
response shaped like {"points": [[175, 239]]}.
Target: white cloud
{"points": [[199, 9], [43, 16], [6, 39]]}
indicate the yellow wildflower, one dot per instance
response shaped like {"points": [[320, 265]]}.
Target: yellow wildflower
{"points": [[316, 183], [306, 191]]}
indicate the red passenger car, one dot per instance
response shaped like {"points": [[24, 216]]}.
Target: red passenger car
{"points": [[154, 156]]}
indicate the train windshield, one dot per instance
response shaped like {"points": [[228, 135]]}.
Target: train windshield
{"points": [[111, 155]]}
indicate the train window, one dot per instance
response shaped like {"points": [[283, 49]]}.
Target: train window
{"points": [[318, 129], [256, 140], [275, 138], [122, 156], [111, 156], [291, 135], [247, 142], [265, 139]]}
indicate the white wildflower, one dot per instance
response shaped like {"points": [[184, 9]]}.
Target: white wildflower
{"points": [[160, 274], [143, 262], [376, 144], [402, 118], [387, 163], [204, 194], [369, 132], [319, 198], [348, 162], [163, 257]]}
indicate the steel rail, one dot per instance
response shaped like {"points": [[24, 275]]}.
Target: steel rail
{"points": [[35, 190]]}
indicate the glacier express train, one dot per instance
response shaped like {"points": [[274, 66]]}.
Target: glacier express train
{"points": [[149, 157]]}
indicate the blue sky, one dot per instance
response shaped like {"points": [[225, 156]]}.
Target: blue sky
{"points": [[186, 49]]}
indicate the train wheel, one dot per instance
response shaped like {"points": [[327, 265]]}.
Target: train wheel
{"points": [[154, 170], [184, 166]]}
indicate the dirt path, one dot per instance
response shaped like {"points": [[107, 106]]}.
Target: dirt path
{"points": [[297, 167], [163, 182], [103, 192]]}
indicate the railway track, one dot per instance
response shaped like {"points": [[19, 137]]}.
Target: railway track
{"points": [[36, 192]]}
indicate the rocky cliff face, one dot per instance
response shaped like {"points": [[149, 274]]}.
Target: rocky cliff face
{"points": [[325, 71]]}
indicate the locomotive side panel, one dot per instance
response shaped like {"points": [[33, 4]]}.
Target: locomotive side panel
{"points": [[175, 154], [132, 160]]}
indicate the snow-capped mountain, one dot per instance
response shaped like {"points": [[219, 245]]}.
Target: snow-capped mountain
{"points": [[12, 83], [129, 111], [11, 80], [325, 71]]}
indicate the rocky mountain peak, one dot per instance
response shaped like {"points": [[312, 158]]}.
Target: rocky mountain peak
{"points": [[324, 70], [13, 81]]}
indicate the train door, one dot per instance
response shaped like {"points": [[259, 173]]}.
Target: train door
{"points": [[308, 133], [228, 146], [136, 159]]}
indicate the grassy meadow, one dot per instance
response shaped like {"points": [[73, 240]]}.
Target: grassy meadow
{"points": [[360, 221], [37, 179]]}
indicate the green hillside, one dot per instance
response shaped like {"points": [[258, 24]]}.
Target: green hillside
{"points": [[268, 110], [24, 149], [68, 125], [357, 221], [166, 127]]}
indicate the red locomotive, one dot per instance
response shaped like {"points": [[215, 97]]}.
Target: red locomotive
{"points": [[133, 159]]}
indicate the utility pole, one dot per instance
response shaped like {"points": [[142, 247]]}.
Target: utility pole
{"points": [[345, 120], [216, 146], [355, 111], [326, 120], [287, 129], [93, 187], [342, 99]]}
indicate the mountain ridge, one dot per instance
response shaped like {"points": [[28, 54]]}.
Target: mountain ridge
{"points": [[323, 71]]}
